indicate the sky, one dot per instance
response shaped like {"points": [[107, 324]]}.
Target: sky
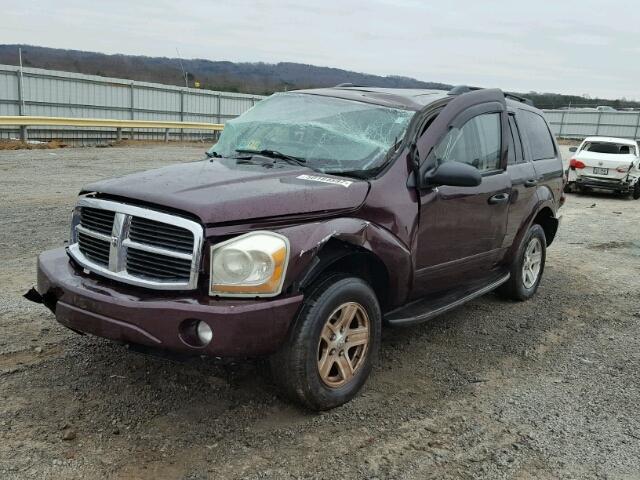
{"points": [[572, 47]]}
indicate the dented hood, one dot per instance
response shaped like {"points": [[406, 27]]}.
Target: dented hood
{"points": [[228, 190]]}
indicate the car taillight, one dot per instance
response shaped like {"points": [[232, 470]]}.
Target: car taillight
{"points": [[622, 169], [576, 163]]}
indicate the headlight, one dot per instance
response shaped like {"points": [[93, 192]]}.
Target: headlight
{"points": [[252, 265]]}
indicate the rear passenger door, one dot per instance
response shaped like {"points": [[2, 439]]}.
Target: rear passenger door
{"points": [[524, 181], [543, 151]]}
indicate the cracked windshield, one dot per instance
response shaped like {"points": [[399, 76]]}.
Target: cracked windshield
{"points": [[330, 134]]}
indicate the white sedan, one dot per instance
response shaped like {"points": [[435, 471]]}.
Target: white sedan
{"points": [[605, 163]]}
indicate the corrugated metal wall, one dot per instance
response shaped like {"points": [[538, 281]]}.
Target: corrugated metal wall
{"points": [[62, 94], [580, 123]]}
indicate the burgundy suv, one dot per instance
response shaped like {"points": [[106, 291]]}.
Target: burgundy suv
{"points": [[319, 217]]}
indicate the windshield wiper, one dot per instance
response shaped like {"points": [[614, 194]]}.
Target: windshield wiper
{"points": [[212, 154], [273, 154], [362, 174]]}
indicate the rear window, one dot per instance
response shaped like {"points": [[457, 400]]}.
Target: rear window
{"points": [[608, 147], [539, 136]]}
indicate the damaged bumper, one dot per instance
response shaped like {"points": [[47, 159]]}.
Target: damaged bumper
{"points": [[89, 304], [619, 185]]}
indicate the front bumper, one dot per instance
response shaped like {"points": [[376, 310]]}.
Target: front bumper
{"points": [[90, 304]]}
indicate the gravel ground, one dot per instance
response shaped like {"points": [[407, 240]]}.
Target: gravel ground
{"points": [[543, 389]]}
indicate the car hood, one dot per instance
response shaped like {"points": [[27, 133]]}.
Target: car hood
{"points": [[230, 190]]}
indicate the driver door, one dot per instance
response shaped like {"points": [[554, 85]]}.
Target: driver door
{"points": [[462, 229]]}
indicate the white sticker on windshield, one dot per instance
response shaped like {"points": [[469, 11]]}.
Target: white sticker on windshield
{"points": [[318, 178]]}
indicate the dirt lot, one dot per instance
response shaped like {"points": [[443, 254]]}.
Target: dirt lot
{"points": [[544, 389]]}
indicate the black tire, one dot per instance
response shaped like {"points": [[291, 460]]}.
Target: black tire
{"points": [[295, 367], [569, 187], [636, 191], [516, 287]]}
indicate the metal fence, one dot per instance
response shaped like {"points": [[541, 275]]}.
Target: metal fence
{"points": [[580, 124], [51, 93]]}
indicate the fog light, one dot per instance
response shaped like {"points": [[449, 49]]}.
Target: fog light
{"points": [[205, 334]]}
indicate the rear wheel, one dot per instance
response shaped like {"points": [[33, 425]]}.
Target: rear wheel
{"points": [[527, 267], [332, 346]]}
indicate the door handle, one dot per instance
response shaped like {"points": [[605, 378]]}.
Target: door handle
{"points": [[532, 182], [498, 198]]}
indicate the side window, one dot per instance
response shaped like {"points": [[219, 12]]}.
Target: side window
{"points": [[515, 146], [538, 134], [477, 143]]}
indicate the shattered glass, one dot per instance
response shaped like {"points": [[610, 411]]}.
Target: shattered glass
{"points": [[331, 134]]}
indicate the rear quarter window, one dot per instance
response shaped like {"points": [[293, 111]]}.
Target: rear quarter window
{"points": [[538, 134]]}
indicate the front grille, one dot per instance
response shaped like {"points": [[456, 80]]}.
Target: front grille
{"points": [[97, 220], [94, 249], [161, 235], [155, 265], [136, 245]]}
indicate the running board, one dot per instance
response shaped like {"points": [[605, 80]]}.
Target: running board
{"points": [[427, 308]]}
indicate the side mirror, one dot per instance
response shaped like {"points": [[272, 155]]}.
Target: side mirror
{"points": [[454, 174], [573, 149]]}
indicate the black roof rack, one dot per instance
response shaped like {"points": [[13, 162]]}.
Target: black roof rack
{"points": [[461, 89], [512, 96]]}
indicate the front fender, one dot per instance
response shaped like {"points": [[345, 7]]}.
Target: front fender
{"points": [[306, 240]]}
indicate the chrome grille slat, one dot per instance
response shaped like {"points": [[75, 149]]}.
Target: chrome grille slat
{"points": [[96, 249], [161, 235], [96, 254], [158, 258], [137, 245], [151, 232], [146, 271], [142, 268], [145, 266], [145, 238], [100, 221]]}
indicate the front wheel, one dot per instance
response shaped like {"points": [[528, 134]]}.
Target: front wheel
{"points": [[332, 345], [527, 267], [636, 191]]}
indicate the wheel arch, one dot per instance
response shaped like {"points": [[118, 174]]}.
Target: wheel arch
{"points": [[542, 215], [549, 223], [340, 256], [350, 245]]}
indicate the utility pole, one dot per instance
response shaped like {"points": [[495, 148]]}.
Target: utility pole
{"points": [[21, 81], [23, 128], [184, 74], [186, 84]]}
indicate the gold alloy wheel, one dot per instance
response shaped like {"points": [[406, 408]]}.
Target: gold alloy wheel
{"points": [[343, 344]]}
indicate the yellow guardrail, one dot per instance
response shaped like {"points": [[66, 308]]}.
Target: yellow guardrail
{"points": [[30, 121], [105, 122]]}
